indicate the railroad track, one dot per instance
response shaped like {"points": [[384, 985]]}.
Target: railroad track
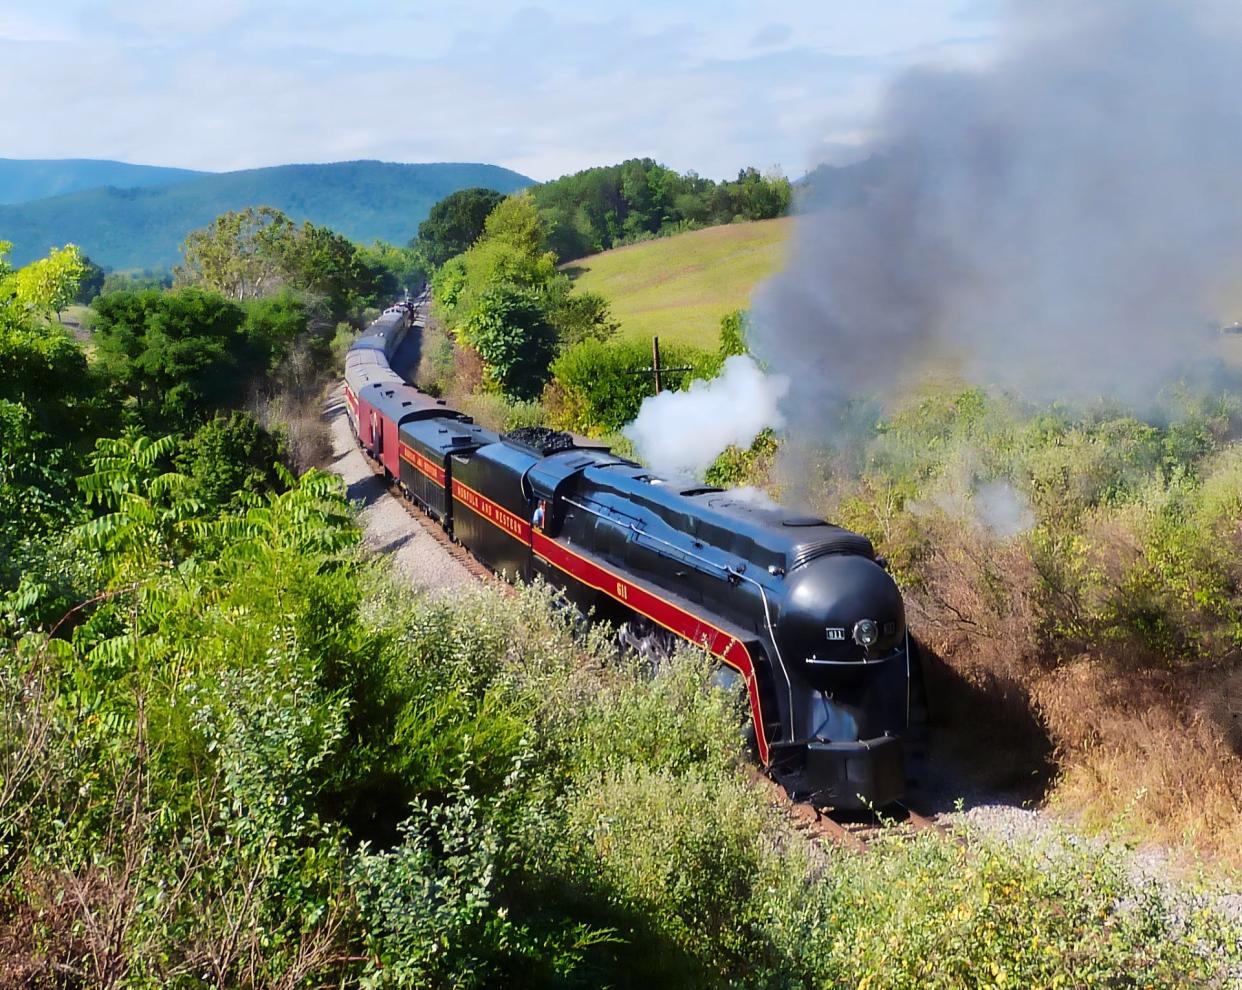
{"points": [[851, 832]]}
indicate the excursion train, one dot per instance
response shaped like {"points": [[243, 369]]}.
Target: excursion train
{"points": [[801, 612]]}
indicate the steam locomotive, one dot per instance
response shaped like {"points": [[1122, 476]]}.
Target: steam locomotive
{"points": [[801, 612]]}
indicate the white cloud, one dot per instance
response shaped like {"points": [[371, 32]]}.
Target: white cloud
{"points": [[544, 89]]}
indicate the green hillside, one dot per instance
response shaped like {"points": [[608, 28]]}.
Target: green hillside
{"points": [[24, 180], [143, 228], [679, 287]]}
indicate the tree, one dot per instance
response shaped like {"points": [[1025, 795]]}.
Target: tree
{"points": [[92, 282], [228, 456], [48, 285], [578, 316], [240, 254], [42, 368], [516, 223], [259, 253], [394, 269], [176, 352], [513, 336], [454, 224]]}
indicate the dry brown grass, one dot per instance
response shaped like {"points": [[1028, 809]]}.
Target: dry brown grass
{"points": [[975, 614], [1146, 752], [1134, 741], [294, 406]]}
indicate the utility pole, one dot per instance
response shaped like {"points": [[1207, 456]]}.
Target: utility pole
{"points": [[657, 368]]}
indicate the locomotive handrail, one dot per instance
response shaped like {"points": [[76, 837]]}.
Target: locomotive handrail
{"points": [[731, 572]]}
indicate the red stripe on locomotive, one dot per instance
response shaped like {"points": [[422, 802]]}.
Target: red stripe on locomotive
{"points": [[676, 620]]}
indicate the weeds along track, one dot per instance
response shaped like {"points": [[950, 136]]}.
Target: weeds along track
{"points": [[852, 832]]}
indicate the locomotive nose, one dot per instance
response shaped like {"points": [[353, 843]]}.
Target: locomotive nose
{"points": [[841, 609]]}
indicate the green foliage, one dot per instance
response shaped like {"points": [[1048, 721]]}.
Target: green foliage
{"points": [[148, 511], [1125, 545], [515, 223], [447, 285], [239, 254], [504, 299], [733, 331], [601, 208], [395, 270], [43, 369], [226, 457], [50, 284], [736, 467], [37, 572], [260, 252], [600, 386], [578, 316], [219, 762], [136, 281], [513, 336], [183, 355], [91, 284], [454, 224], [430, 905]]}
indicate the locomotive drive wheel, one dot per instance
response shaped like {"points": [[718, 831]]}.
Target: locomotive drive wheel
{"points": [[653, 644]]}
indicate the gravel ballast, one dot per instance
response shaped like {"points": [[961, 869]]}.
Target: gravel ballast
{"points": [[387, 527]]}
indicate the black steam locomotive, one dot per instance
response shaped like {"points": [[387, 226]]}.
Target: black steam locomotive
{"points": [[801, 611]]}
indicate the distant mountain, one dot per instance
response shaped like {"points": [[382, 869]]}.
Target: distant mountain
{"points": [[143, 228], [24, 180]]}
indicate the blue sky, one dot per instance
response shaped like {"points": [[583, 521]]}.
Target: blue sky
{"points": [[541, 88]]}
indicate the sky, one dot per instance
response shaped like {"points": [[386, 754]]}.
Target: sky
{"points": [[544, 89]]}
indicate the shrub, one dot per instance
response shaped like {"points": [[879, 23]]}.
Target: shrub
{"points": [[227, 456], [600, 386], [509, 330]]}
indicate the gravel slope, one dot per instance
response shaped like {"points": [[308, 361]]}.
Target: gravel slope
{"points": [[387, 527]]}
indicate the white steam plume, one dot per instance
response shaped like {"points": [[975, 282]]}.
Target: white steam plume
{"points": [[679, 434], [1063, 222]]}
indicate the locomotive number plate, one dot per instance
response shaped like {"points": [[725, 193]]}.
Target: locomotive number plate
{"points": [[835, 632]]}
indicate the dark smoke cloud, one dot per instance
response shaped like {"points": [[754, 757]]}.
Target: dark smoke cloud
{"points": [[1063, 222]]}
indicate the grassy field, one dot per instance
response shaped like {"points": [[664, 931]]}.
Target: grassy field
{"points": [[679, 287]]}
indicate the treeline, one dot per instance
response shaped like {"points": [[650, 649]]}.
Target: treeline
{"points": [[601, 208], [255, 252]]}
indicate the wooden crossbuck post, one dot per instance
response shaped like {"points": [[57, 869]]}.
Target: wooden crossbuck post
{"points": [[657, 369]]}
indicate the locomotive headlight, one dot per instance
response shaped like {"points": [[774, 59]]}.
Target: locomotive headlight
{"points": [[866, 632]]}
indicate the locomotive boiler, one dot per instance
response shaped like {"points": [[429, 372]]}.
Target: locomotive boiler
{"points": [[799, 611]]}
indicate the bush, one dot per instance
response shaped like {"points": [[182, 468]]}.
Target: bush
{"points": [[230, 456], [598, 387], [509, 330]]}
